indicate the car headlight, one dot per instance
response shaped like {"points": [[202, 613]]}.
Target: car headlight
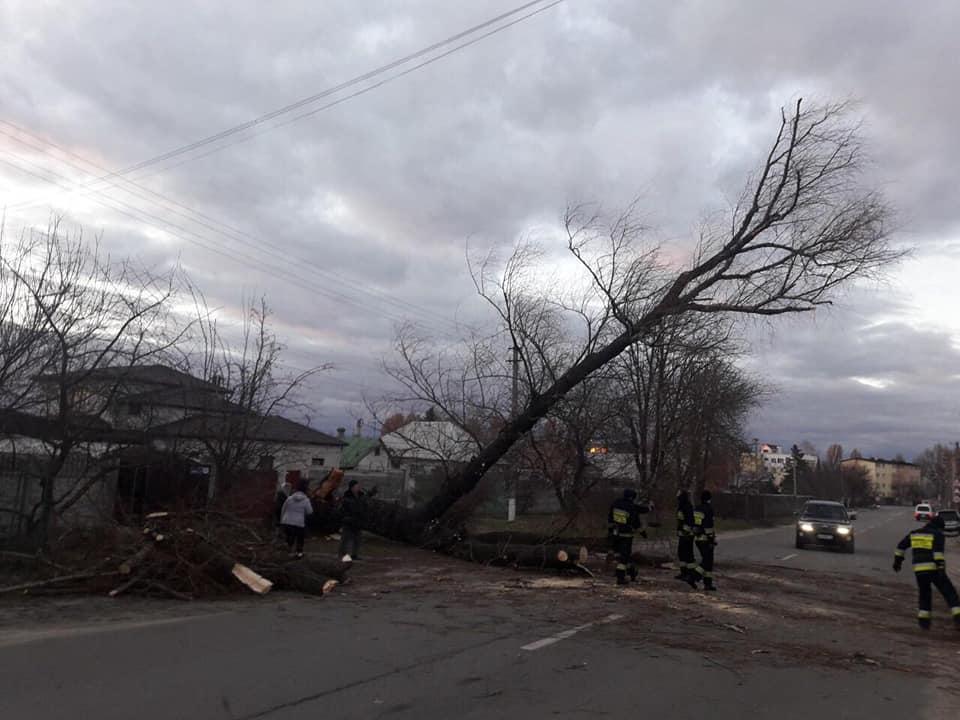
{"points": [[843, 531], [806, 527]]}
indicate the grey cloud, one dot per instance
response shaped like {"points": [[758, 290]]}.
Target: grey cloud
{"points": [[589, 101]]}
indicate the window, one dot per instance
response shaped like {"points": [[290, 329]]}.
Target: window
{"points": [[266, 462], [318, 462]]}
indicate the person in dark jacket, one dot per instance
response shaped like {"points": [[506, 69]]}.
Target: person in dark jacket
{"points": [[293, 518], [705, 538], [353, 508], [283, 492], [622, 523], [689, 570], [930, 568]]}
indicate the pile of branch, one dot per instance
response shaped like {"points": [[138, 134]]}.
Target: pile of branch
{"points": [[187, 556]]}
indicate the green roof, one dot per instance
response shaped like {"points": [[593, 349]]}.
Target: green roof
{"points": [[356, 449]]}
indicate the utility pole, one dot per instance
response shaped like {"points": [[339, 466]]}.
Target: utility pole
{"points": [[514, 411], [515, 395], [953, 474]]}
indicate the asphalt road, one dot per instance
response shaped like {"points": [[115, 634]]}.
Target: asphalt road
{"points": [[409, 660], [877, 533], [422, 656]]}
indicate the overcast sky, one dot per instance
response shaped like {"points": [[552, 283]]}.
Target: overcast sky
{"points": [[356, 217]]}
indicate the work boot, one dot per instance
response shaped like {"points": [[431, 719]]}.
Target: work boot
{"points": [[708, 585], [621, 577], [633, 577], [924, 624]]}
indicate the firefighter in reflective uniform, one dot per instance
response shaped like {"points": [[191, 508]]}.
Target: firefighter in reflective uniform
{"points": [[623, 522], [688, 561], [705, 538], [930, 568]]}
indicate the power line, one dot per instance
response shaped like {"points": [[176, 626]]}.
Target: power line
{"points": [[285, 275], [330, 91], [224, 229]]}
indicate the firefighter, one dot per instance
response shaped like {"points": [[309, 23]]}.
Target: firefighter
{"points": [[705, 538], [623, 522], [930, 568], [685, 523]]}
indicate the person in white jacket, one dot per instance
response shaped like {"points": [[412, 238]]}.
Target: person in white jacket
{"points": [[293, 518]]}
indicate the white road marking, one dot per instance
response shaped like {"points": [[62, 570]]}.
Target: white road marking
{"points": [[537, 645], [788, 557]]}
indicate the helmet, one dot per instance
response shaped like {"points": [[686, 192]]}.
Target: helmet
{"points": [[937, 522], [629, 494], [706, 496]]}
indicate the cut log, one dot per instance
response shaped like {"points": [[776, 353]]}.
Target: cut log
{"points": [[301, 578], [331, 567], [256, 582], [557, 557], [222, 566]]}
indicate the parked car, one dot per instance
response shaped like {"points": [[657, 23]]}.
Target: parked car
{"points": [[923, 512], [826, 523], [951, 521]]}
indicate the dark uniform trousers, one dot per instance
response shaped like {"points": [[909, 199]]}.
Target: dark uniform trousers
{"points": [[688, 560], [623, 548], [705, 547], [926, 581]]}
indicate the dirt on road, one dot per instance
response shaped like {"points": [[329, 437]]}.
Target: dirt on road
{"points": [[775, 615]]}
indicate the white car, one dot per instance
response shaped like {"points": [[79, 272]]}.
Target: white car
{"points": [[923, 512]]}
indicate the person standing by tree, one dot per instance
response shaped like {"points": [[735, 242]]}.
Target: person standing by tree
{"points": [[623, 522], [685, 523], [353, 507], [705, 538], [293, 518]]}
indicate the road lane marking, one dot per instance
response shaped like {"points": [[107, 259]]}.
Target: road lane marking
{"points": [[788, 557], [545, 642], [23, 637]]}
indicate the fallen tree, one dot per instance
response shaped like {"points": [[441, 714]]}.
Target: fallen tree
{"points": [[802, 228]]}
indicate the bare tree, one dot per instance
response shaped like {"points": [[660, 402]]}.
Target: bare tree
{"points": [[69, 314], [684, 402], [802, 228], [255, 385], [563, 448], [834, 456], [936, 466]]}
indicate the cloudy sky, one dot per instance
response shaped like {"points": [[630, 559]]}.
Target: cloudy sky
{"points": [[355, 217]]}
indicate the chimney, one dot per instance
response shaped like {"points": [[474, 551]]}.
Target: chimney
{"points": [[359, 431], [341, 433]]}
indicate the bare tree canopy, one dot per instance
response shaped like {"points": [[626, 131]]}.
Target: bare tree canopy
{"points": [[802, 228], [68, 312]]}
